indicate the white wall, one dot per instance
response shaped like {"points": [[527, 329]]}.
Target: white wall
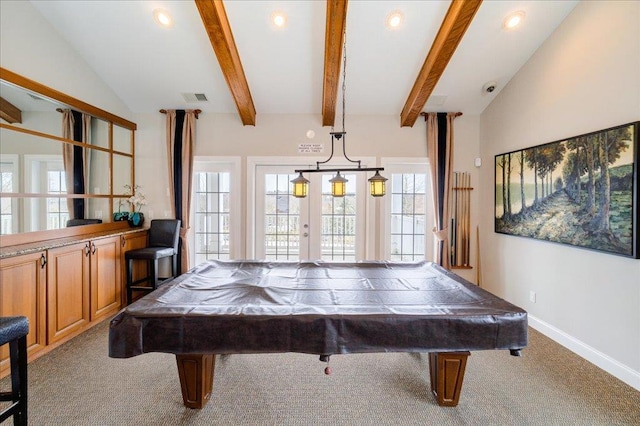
{"points": [[584, 78]]}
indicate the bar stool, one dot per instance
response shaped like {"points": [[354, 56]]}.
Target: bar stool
{"points": [[164, 235], [14, 330]]}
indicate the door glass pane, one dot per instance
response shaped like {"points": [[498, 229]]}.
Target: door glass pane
{"points": [[338, 233], [282, 221]]}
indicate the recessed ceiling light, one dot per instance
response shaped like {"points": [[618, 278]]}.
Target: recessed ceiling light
{"points": [[163, 18], [279, 19], [394, 20], [513, 20]]}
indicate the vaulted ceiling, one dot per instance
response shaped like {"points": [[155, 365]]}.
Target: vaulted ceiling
{"points": [[439, 58]]}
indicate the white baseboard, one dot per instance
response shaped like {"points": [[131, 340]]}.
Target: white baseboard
{"points": [[605, 362]]}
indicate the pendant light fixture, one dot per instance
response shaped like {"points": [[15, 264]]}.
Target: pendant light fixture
{"points": [[300, 186], [338, 182], [377, 185]]}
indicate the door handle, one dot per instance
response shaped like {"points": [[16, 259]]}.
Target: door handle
{"points": [[43, 261], [87, 250], [93, 248]]}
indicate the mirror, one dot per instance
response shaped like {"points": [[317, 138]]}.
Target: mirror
{"points": [[51, 175]]}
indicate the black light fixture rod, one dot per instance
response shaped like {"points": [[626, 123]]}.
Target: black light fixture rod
{"points": [[359, 169]]}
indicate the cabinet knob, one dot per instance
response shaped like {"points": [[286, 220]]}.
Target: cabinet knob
{"points": [[43, 261], [87, 250], [93, 248]]}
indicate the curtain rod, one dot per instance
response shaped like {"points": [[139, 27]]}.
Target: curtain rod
{"points": [[197, 111], [458, 114]]}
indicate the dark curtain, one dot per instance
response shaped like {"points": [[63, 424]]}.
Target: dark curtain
{"points": [[78, 167], [440, 153], [75, 126], [180, 142]]}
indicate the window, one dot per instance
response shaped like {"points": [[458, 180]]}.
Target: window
{"points": [[8, 183], [408, 219], [213, 195], [45, 175], [57, 211], [407, 216]]}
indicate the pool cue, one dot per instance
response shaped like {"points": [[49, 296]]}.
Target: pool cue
{"points": [[467, 225], [463, 215], [459, 207], [478, 255]]}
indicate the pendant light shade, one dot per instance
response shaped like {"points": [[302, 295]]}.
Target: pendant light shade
{"points": [[377, 184], [338, 185], [300, 186]]}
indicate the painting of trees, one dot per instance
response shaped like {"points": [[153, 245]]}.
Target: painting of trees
{"points": [[580, 191]]}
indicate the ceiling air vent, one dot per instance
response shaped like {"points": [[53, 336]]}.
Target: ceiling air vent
{"points": [[436, 100], [194, 97]]}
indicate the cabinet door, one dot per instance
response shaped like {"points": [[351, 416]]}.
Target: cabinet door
{"points": [[22, 292], [67, 290], [131, 242], [105, 277]]}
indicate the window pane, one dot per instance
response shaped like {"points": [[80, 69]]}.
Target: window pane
{"points": [[212, 216], [407, 219]]}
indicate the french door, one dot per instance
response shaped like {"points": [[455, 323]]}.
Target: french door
{"points": [[318, 226]]}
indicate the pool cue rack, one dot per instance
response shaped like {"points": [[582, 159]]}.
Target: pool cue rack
{"points": [[460, 230]]}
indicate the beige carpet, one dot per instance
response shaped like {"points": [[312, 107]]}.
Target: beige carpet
{"points": [[78, 384]]}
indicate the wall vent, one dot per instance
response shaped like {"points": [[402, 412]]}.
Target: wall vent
{"points": [[436, 100], [195, 97]]}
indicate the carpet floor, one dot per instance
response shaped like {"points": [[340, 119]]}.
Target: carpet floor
{"points": [[78, 384]]}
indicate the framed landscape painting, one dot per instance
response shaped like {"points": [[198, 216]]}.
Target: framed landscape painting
{"points": [[582, 191]]}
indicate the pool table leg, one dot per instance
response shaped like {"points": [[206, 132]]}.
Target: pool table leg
{"points": [[196, 378], [447, 372]]}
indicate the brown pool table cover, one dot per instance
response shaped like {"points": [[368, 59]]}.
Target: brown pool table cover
{"points": [[317, 308]]}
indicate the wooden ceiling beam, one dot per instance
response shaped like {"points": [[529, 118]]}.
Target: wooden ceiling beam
{"points": [[214, 18], [333, 41], [9, 112], [454, 25]]}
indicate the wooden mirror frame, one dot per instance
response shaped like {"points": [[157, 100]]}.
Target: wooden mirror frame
{"points": [[76, 104]]}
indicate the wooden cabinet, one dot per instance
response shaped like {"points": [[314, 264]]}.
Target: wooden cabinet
{"points": [[68, 287], [106, 287], [23, 292], [131, 242], [83, 285]]}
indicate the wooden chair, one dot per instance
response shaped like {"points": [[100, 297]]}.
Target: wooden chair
{"points": [[14, 330], [164, 236]]}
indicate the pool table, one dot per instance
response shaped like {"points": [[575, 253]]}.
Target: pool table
{"points": [[234, 307]]}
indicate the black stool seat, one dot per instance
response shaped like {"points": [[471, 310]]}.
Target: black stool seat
{"points": [[164, 236], [149, 253], [14, 330]]}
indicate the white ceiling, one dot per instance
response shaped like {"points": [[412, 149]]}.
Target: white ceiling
{"points": [[150, 67]]}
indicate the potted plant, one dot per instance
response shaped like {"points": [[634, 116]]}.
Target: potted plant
{"points": [[137, 200]]}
